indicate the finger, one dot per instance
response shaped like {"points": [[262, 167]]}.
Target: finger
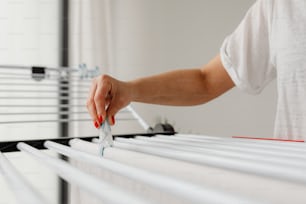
{"points": [[107, 102], [101, 95], [90, 104], [112, 111]]}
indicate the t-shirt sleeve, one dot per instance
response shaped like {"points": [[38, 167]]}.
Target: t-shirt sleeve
{"points": [[246, 53]]}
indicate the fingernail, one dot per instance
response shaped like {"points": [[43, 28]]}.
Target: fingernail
{"points": [[113, 120], [96, 124], [100, 119]]}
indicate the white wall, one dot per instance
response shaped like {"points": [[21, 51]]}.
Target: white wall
{"points": [[156, 36], [29, 35]]}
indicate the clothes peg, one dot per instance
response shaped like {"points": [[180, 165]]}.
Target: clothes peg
{"points": [[105, 136]]}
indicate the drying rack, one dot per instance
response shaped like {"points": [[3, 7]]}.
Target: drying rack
{"points": [[54, 95], [28, 90], [220, 170]]}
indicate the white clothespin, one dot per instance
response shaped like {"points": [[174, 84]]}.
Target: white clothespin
{"points": [[105, 136]]}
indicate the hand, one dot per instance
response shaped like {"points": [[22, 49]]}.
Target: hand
{"points": [[107, 96]]}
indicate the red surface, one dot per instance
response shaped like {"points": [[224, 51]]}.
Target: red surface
{"points": [[271, 139]]}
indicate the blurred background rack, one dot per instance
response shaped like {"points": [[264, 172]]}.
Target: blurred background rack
{"points": [[48, 103]]}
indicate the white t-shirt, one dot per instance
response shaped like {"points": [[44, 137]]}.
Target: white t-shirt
{"points": [[270, 43]]}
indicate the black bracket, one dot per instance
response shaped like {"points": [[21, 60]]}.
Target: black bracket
{"points": [[164, 128], [38, 73]]}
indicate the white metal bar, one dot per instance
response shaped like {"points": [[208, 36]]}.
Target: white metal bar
{"points": [[49, 113], [54, 113], [191, 192], [40, 105], [180, 145], [262, 169], [245, 146], [44, 77], [58, 120], [247, 141], [15, 74], [238, 145], [229, 147], [141, 121], [57, 69], [106, 192], [42, 91], [29, 73], [45, 85], [42, 97], [44, 113], [21, 188], [44, 121]]}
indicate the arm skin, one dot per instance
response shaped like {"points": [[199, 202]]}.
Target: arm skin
{"points": [[183, 87], [177, 88]]}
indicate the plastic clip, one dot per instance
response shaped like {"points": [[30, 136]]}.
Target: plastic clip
{"points": [[38, 73], [105, 136]]}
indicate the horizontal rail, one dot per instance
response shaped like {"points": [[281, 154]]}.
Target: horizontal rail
{"points": [[45, 85], [10, 146], [85, 181], [41, 97], [58, 120], [42, 91]]}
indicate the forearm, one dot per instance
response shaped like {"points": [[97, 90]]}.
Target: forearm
{"points": [[183, 87]]}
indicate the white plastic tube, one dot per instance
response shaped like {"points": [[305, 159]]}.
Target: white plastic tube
{"points": [[191, 192], [228, 148], [104, 191], [21, 188], [258, 168], [259, 143], [241, 146], [223, 152], [142, 122]]}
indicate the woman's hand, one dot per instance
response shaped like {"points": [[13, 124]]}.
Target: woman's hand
{"points": [[107, 96], [177, 88]]}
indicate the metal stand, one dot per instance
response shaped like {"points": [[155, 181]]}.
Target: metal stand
{"points": [[63, 126]]}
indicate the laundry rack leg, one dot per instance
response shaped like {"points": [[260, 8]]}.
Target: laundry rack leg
{"points": [[64, 126]]}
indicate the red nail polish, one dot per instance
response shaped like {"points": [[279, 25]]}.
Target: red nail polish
{"points": [[96, 124], [100, 119], [113, 120]]}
